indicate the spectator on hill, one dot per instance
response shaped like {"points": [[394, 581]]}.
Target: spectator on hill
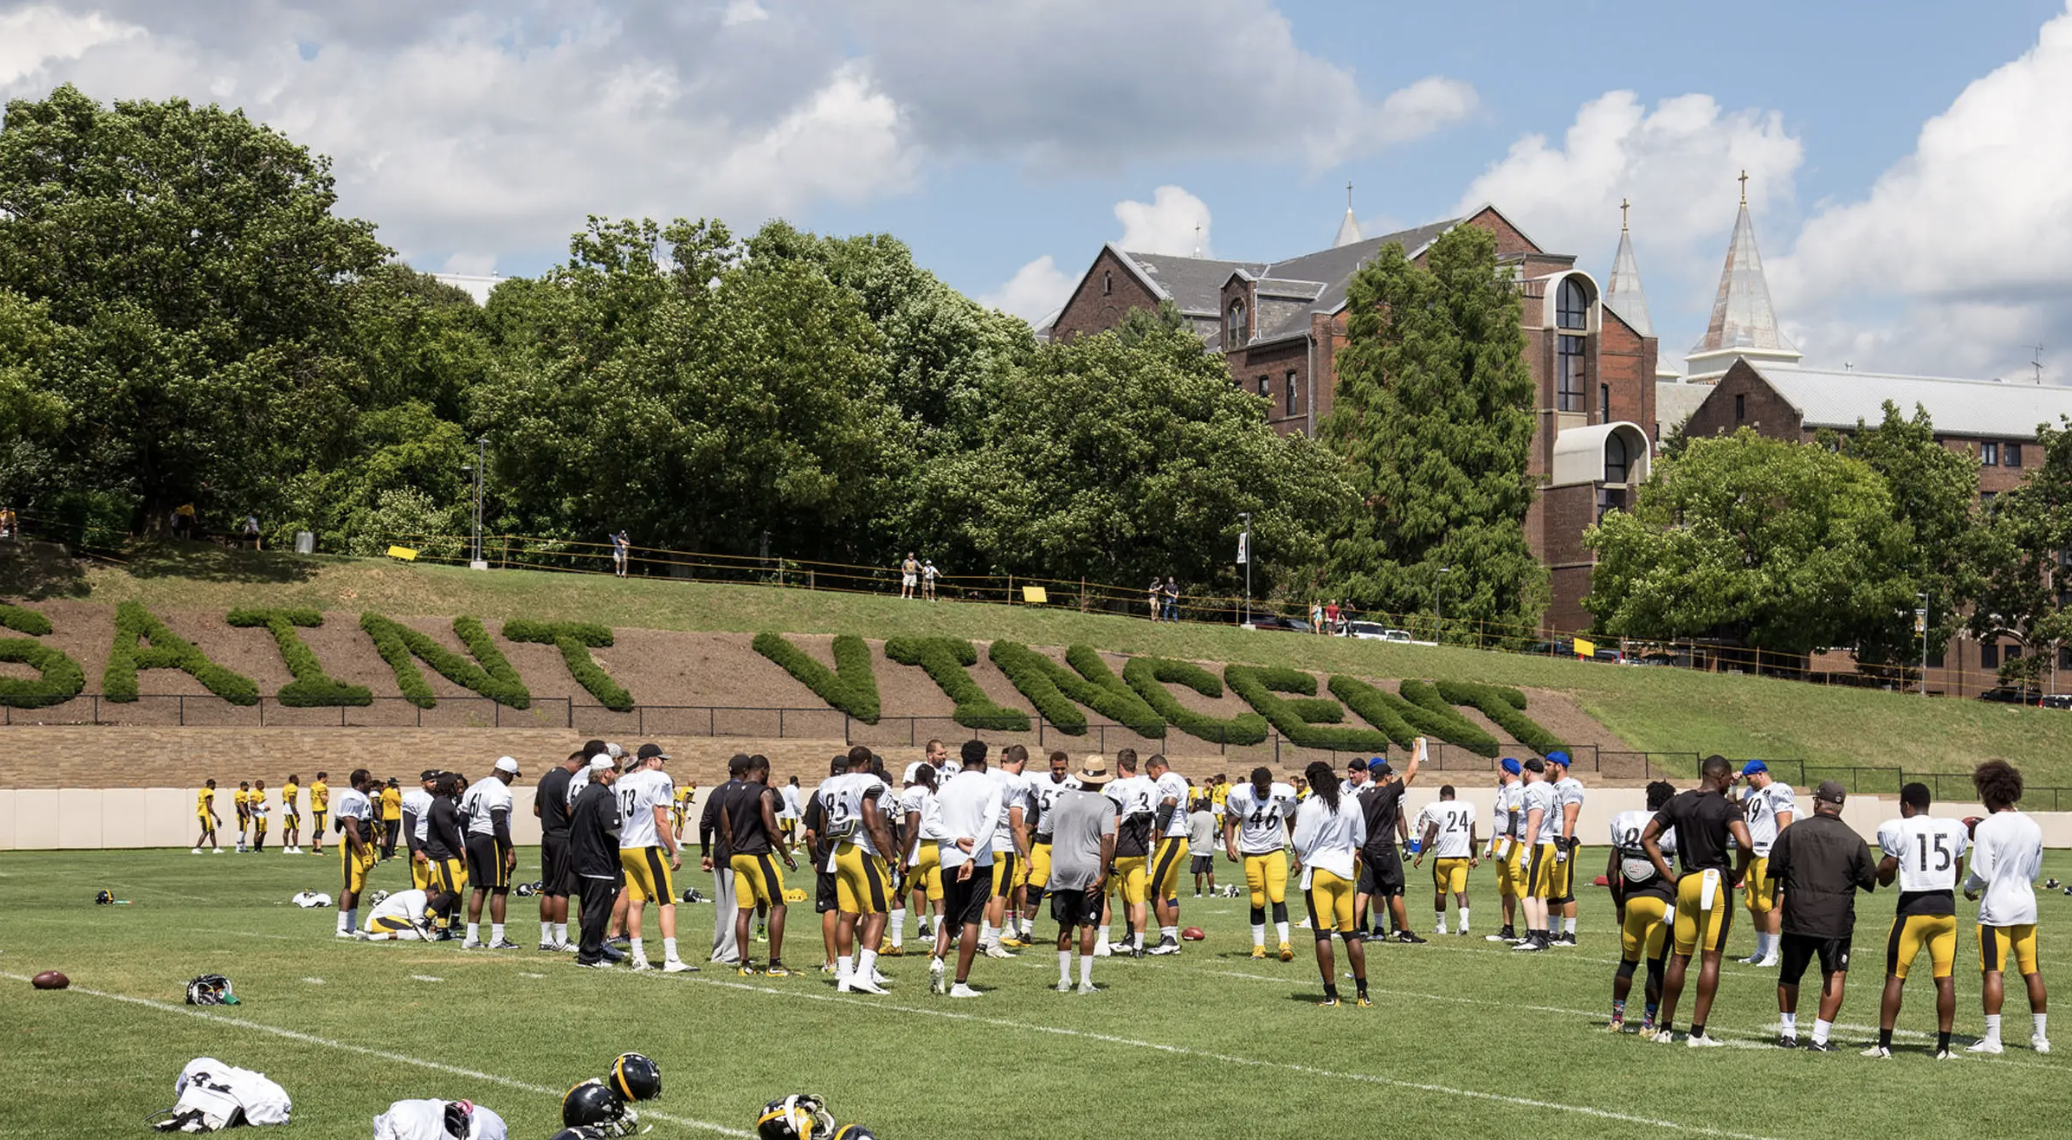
{"points": [[252, 530], [1172, 599], [621, 547], [1156, 594], [8, 524], [1331, 617], [909, 575], [1316, 616], [928, 576]]}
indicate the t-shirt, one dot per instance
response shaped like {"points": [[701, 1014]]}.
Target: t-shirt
{"points": [[550, 799], [1567, 790], [403, 906], [1701, 819], [319, 796], [1045, 792], [1636, 871], [1172, 786], [2006, 857], [924, 818], [1132, 796], [1325, 840], [289, 791], [426, 1120], [1456, 822], [1759, 806], [1201, 831], [443, 838], [968, 807], [417, 812], [1014, 793], [1820, 863], [744, 812], [1261, 820], [482, 802], [353, 804], [1081, 819], [593, 833], [1539, 796], [842, 798], [790, 794], [391, 803], [640, 793], [1928, 851], [1382, 805]]}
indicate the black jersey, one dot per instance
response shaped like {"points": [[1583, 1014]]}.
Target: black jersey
{"points": [[1703, 821]]}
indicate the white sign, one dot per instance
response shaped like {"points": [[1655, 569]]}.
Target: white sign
{"points": [[1243, 540]]}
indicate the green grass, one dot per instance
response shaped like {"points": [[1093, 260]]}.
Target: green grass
{"points": [[1209, 1043], [1657, 710]]}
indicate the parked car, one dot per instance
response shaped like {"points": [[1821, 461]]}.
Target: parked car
{"points": [[1375, 631], [2056, 701], [1276, 621], [2012, 695]]}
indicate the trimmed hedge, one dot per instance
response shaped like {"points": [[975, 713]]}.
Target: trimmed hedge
{"points": [[851, 686], [62, 677], [167, 650], [1149, 676], [1300, 720], [945, 659], [575, 639], [1505, 706], [1384, 710], [1057, 692], [493, 677], [23, 620], [1434, 715], [311, 687]]}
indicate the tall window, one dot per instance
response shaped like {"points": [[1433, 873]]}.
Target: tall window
{"points": [[1568, 352], [1234, 326], [1604, 403], [2011, 454], [1294, 395], [1740, 407], [1571, 305], [1107, 283], [1989, 454], [1265, 386], [1615, 459], [1989, 654]]}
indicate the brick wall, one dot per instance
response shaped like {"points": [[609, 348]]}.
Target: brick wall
{"points": [[1763, 410], [1105, 295]]}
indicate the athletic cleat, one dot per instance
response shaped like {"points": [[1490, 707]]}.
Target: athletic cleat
{"points": [[346, 934], [1406, 936], [1088, 988], [2039, 1042], [678, 966], [1439, 929], [1751, 960], [1787, 1041], [935, 977], [1259, 953], [1364, 1002], [1663, 1036], [1811, 1047], [1136, 951], [1328, 1003], [1064, 985], [197, 851], [641, 963], [362, 936], [1287, 952], [878, 977], [1942, 1055], [995, 950], [774, 971], [474, 944], [1103, 950], [960, 990], [857, 985], [1504, 935], [746, 970], [1985, 1045], [1877, 1051], [1617, 1025], [1122, 947], [548, 947], [217, 851], [503, 944], [925, 932], [1529, 944], [1565, 939], [1703, 1042], [892, 952], [827, 967], [1013, 942], [1768, 963], [621, 943], [1165, 946]]}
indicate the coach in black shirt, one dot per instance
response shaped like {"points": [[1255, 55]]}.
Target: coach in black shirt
{"points": [[445, 845], [1703, 819], [593, 855], [1381, 863], [715, 859], [550, 804], [1820, 863]]}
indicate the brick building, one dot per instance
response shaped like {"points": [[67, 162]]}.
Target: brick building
{"points": [[1281, 324]]}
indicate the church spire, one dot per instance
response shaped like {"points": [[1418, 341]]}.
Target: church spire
{"points": [[1743, 323], [1349, 229], [1623, 292]]}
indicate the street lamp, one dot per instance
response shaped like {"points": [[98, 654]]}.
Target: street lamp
{"points": [[481, 462], [1438, 596], [1244, 555]]}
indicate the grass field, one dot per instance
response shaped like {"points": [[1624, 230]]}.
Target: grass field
{"points": [[1465, 1038], [1652, 709]]}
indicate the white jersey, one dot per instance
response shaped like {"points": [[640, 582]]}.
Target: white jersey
{"points": [[640, 793], [1262, 822], [426, 1120], [353, 804], [480, 803], [841, 799], [1172, 786], [788, 799], [1132, 795], [417, 804], [1567, 790], [1014, 793], [403, 906], [2006, 857], [1504, 822], [1927, 849], [1546, 800], [218, 1090], [577, 781], [919, 805], [1456, 821], [1045, 792], [1759, 807], [1634, 864], [1325, 840]]}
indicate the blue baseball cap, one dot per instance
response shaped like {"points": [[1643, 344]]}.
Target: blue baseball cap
{"points": [[1511, 766], [1557, 757], [1754, 766]]}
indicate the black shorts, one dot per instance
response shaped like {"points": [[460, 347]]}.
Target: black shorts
{"points": [[1202, 865], [826, 896], [964, 901], [1381, 872], [1798, 950], [557, 878], [487, 866], [1076, 908]]}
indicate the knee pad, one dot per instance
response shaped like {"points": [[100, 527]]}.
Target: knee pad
{"points": [[1258, 916], [1280, 912], [1626, 969]]}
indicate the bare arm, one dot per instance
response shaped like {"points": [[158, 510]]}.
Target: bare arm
{"points": [[770, 828], [1417, 757], [668, 834]]}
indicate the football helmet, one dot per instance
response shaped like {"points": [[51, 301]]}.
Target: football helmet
{"points": [[800, 1116], [458, 1115], [599, 1106], [522, 890], [380, 897], [210, 989], [854, 1132], [579, 1132], [104, 898], [635, 1077]]}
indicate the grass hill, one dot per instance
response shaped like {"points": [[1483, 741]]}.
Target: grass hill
{"points": [[1652, 709]]}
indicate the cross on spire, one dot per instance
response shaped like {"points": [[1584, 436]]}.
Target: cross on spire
{"points": [[1623, 204], [1197, 239], [1348, 195], [1744, 187]]}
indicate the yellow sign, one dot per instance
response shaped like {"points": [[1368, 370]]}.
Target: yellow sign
{"points": [[1035, 595], [402, 552], [1585, 648], [794, 895]]}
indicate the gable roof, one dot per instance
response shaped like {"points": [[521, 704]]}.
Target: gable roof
{"points": [[1741, 312], [1830, 399]]}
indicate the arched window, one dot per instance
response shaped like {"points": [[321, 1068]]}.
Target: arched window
{"points": [[1615, 462], [1571, 305], [1107, 284], [1234, 326]]}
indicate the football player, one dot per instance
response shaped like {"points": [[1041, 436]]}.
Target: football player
{"points": [[1926, 855], [491, 854], [746, 825], [319, 806], [863, 885], [2006, 857], [399, 917], [445, 850], [417, 817], [1448, 836], [356, 851], [1645, 905], [1256, 819], [241, 799], [1703, 819], [438, 1120], [923, 861], [1132, 796], [648, 851], [1568, 804], [1767, 807], [1330, 831], [291, 816], [1044, 793], [1010, 853], [1538, 828], [259, 808], [1503, 845], [1169, 794], [205, 814]]}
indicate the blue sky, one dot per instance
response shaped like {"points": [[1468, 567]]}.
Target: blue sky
{"points": [[1911, 163]]}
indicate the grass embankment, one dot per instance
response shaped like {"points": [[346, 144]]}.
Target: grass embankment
{"points": [[1654, 709]]}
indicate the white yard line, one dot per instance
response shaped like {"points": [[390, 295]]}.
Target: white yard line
{"points": [[379, 1054]]}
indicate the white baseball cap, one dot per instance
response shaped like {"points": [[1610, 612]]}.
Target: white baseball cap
{"points": [[506, 764], [601, 763], [617, 753]]}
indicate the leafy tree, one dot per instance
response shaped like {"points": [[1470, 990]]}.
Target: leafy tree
{"points": [[1786, 546], [2024, 563], [1433, 418]]}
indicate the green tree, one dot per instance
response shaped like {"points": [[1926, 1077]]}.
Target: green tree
{"points": [[1786, 546], [2023, 559], [1433, 418]]}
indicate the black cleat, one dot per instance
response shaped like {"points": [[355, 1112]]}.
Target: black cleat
{"points": [[1787, 1041], [1406, 936], [1820, 1047]]}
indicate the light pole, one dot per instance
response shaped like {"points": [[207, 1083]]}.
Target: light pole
{"points": [[481, 461], [1921, 627], [1244, 555], [1439, 596]]}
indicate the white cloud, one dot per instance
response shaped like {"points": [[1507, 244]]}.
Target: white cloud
{"points": [[740, 12], [1174, 222], [31, 37], [1424, 107], [1970, 236], [1036, 290]]}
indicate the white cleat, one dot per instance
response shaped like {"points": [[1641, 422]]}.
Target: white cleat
{"points": [[862, 986], [1943, 1055], [1103, 950], [474, 944], [1706, 1042], [935, 977], [960, 990], [678, 966], [197, 851], [879, 978], [218, 851], [346, 934], [1986, 1045], [641, 963], [1882, 1053], [1064, 985], [995, 950], [2040, 1043], [1087, 988], [1769, 963]]}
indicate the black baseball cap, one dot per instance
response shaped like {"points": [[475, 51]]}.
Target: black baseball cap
{"points": [[650, 751], [427, 774]]}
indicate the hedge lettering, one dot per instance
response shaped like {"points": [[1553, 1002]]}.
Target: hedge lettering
{"points": [[945, 659], [62, 678], [850, 686], [311, 687], [1505, 706], [1149, 676], [575, 639], [166, 650], [1436, 716], [493, 677], [22, 620], [1302, 721], [1054, 689]]}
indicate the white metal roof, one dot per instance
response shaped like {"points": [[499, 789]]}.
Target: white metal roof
{"points": [[1830, 399], [1741, 314], [1579, 453]]}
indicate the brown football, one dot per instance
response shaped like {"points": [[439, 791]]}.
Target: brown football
{"points": [[1193, 934], [49, 980]]}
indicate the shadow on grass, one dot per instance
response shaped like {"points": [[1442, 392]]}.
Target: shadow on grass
{"points": [[208, 562], [40, 571]]}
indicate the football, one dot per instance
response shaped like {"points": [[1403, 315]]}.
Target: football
{"points": [[1193, 934], [50, 980], [1971, 825]]}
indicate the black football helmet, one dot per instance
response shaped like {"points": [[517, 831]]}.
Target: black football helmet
{"points": [[635, 1077], [854, 1132], [210, 989], [599, 1106], [103, 899], [801, 1116]]}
